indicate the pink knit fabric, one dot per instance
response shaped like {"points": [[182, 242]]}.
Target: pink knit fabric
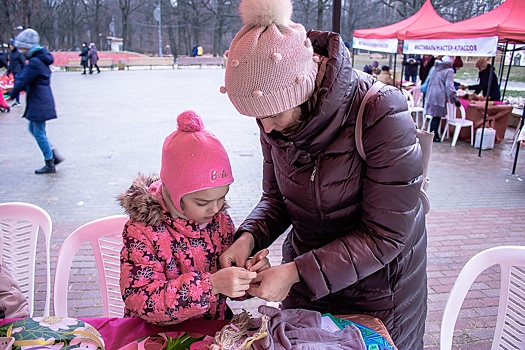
{"points": [[270, 65], [193, 159]]}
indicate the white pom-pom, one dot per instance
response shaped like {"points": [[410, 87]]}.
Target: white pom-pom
{"points": [[257, 13], [316, 59]]}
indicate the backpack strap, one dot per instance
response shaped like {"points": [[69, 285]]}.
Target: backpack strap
{"points": [[374, 89], [424, 138]]}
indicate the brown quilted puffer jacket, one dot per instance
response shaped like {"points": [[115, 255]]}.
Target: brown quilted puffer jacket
{"points": [[358, 234]]}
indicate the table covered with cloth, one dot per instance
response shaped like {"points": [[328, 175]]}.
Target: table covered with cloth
{"points": [[498, 117], [118, 332]]}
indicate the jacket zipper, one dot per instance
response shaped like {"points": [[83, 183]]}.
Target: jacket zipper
{"points": [[315, 192]]}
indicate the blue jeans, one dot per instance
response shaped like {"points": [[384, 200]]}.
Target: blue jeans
{"points": [[17, 96], [411, 77], [38, 130]]}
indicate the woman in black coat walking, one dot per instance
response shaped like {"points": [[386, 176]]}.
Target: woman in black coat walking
{"points": [[84, 57]]}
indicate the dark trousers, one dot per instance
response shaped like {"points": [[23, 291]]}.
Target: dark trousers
{"points": [[91, 68], [434, 125]]}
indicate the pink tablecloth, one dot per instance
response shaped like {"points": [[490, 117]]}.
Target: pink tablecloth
{"points": [[118, 332]]}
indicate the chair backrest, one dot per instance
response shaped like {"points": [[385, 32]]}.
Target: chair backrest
{"points": [[417, 96], [409, 97], [20, 224], [510, 324], [105, 237], [452, 112]]}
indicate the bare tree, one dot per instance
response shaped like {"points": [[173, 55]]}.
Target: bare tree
{"points": [[127, 7]]}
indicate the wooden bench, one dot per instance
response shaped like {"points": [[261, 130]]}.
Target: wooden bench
{"points": [[150, 61], [200, 61], [74, 63]]}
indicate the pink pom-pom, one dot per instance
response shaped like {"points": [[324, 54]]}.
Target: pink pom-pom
{"points": [[227, 53], [235, 63], [316, 59], [300, 79], [222, 89], [189, 121], [257, 93]]}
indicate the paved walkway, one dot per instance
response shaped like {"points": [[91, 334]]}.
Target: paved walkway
{"points": [[111, 126]]}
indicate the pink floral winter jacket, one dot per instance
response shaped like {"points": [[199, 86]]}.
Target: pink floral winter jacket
{"points": [[166, 262]]}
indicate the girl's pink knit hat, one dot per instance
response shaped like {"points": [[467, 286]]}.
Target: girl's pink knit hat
{"points": [[193, 159], [270, 66]]}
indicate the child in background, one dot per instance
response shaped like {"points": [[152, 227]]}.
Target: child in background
{"points": [[177, 230]]}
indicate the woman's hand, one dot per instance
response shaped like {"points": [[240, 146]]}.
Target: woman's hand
{"points": [[259, 262], [275, 283], [232, 281], [239, 252]]}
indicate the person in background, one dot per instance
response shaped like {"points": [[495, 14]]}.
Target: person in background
{"points": [[4, 56], [485, 70], [372, 68], [93, 58], [17, 62], [411, 63], [84, 59], [35, 80], [440, 91], [357, 242], [177, 230], [427, 62], [385, 76]]}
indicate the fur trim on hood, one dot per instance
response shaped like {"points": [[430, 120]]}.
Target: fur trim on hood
{"points": [[141, 203]]}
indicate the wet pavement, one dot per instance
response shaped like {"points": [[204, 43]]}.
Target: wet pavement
{"points": [[111, 126]]}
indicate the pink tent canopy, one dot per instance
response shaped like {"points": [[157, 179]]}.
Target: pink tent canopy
{"points": [[507, 21], [426, 17]]}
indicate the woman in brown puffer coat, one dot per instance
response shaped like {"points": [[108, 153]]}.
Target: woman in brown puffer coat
{"points": [[358, 238]]}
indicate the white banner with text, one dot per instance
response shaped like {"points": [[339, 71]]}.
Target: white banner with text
{"points": [[378, 45], [453, 47]]}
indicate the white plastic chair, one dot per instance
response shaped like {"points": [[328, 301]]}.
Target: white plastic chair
{"points": [[105, 237], [510, 324], [414, 108], [20, 224], [457, 123]]}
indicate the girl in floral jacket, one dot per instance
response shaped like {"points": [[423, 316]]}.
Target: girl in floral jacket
{"points": [[177, 230]]}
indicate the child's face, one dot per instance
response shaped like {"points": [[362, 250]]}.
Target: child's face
{"points": [[202, 205]]}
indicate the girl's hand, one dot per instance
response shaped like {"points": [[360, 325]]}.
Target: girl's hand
{"points": [[259, 262], [232, 281]]}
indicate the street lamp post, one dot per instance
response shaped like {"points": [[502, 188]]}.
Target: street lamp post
{"points": [[157, 13]]}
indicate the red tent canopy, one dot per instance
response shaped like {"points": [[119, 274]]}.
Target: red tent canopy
{"points": [[507, 21], [426, 17]]}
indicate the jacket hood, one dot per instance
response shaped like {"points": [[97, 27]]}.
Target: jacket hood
{"points": [[43, 55], [141, 201], [442, 65]]}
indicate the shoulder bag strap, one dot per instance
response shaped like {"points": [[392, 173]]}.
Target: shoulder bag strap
{"points": [[359, 121]]}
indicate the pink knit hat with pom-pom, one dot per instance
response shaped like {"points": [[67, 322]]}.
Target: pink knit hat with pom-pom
{"points": [[193, 159], [271, 65]]}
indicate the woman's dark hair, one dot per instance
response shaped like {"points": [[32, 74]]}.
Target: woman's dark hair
{"points": [[387, 68]]}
